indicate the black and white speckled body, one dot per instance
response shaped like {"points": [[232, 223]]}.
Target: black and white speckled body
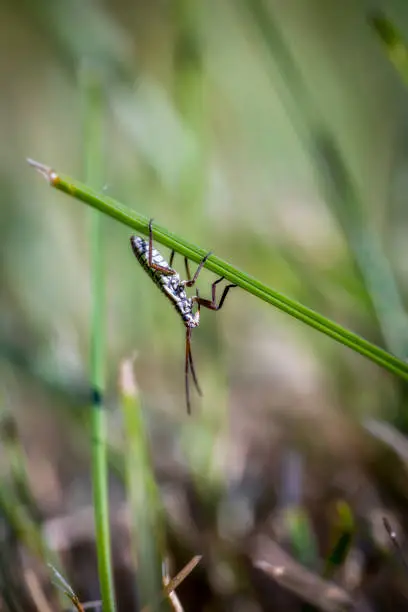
{"points": [[169, 283]]}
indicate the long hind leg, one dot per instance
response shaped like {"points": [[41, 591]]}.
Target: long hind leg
{"points": [[191, 281], [212, 304], [164, 270]]}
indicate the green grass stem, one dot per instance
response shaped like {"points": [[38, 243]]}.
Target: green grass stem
{"points": [[146, 518], [341, 536], [220, 267], [93, 147]]}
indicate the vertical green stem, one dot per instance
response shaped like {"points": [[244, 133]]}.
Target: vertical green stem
{"points": [[93, 147], [146, 513]]}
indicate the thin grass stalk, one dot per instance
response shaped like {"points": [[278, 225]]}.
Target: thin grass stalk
{"points": [[222, 268], [146, 519], [16, 501], [23, 525], [342, 530], [297, 524], [93, 147]]}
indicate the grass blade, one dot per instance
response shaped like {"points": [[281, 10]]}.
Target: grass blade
{"points": [[93, 146], [146, 519], [335, 181], [139, 223], [396, 48]]}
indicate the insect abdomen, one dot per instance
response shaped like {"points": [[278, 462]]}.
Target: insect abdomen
{"points": [[141, 250], [169, 284]]}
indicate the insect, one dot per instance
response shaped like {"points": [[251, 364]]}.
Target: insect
{"points": [[169, 282]]}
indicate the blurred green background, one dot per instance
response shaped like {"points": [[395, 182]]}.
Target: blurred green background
{"points": [[275, 134]]}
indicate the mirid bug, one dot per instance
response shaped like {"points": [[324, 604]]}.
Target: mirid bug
{"points": [[169, 282]]}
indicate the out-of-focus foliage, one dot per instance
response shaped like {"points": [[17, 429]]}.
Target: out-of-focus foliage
{"points": [[273, 133]]}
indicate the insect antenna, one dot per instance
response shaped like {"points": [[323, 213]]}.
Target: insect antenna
{"points": [[197, 386], [396, 544], [186, 366]]}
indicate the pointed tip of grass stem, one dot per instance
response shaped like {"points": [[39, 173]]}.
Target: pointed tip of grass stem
{"points": [[48, 173]]}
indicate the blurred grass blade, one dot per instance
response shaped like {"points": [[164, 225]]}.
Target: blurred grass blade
{"points": [[182, 574], [22, 523], [389, 435], [61, 583], [14, 594], [93, 146], [268, 557], [177, 580], [66, 588], [16, 460], [173, 598], [189, 99], [341, 536], [374, 267], [298, 527], [147, 529], [336, 182], [397, 49], [17, 503], [222, 268], [36, 591], [301, 536]]}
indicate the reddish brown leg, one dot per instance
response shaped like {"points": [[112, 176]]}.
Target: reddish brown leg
{"points": [[187, 265], [212, 304], [167, 271], [191, 281]]}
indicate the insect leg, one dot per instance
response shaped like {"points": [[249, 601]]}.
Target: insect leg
{"points": [[191, 281], [212, 304], [166, 271], [171, 258], [187, 265]]}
